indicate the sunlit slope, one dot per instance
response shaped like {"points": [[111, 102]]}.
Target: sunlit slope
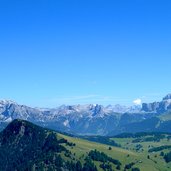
{"points": [[124, 156]]}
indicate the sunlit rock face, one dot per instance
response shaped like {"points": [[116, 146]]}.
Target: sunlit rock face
{"points": [[158, 107]]}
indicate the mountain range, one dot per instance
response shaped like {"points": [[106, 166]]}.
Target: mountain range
{"points": [[93, 119]]}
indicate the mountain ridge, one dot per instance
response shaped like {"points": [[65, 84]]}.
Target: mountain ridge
{"points": [[92, 119]]}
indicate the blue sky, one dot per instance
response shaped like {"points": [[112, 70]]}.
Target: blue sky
{"points": [[88, 51]]}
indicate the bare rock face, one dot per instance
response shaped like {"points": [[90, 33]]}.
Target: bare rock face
{"points": [[150, 107], [158, 107], [167, 97]]}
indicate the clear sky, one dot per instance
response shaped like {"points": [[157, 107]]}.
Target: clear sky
{"points": [[84, 51]]}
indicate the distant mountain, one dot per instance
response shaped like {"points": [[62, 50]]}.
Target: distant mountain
{"points": [[79, 119], [158, 107], [92, 119]]}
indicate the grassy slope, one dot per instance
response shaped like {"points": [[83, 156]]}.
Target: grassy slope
{"points": [[126, 154], [83, 147], [156, 161]]}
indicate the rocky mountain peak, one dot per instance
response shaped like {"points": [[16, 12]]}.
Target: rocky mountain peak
{"points": [[7, 102], [158, 107], [167, 97]]}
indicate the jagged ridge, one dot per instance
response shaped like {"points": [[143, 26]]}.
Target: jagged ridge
{"points": [[85, 119]]}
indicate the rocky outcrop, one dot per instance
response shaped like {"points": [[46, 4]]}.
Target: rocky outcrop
{"points": [[150, 107], [158, 107], [167, 97]]}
